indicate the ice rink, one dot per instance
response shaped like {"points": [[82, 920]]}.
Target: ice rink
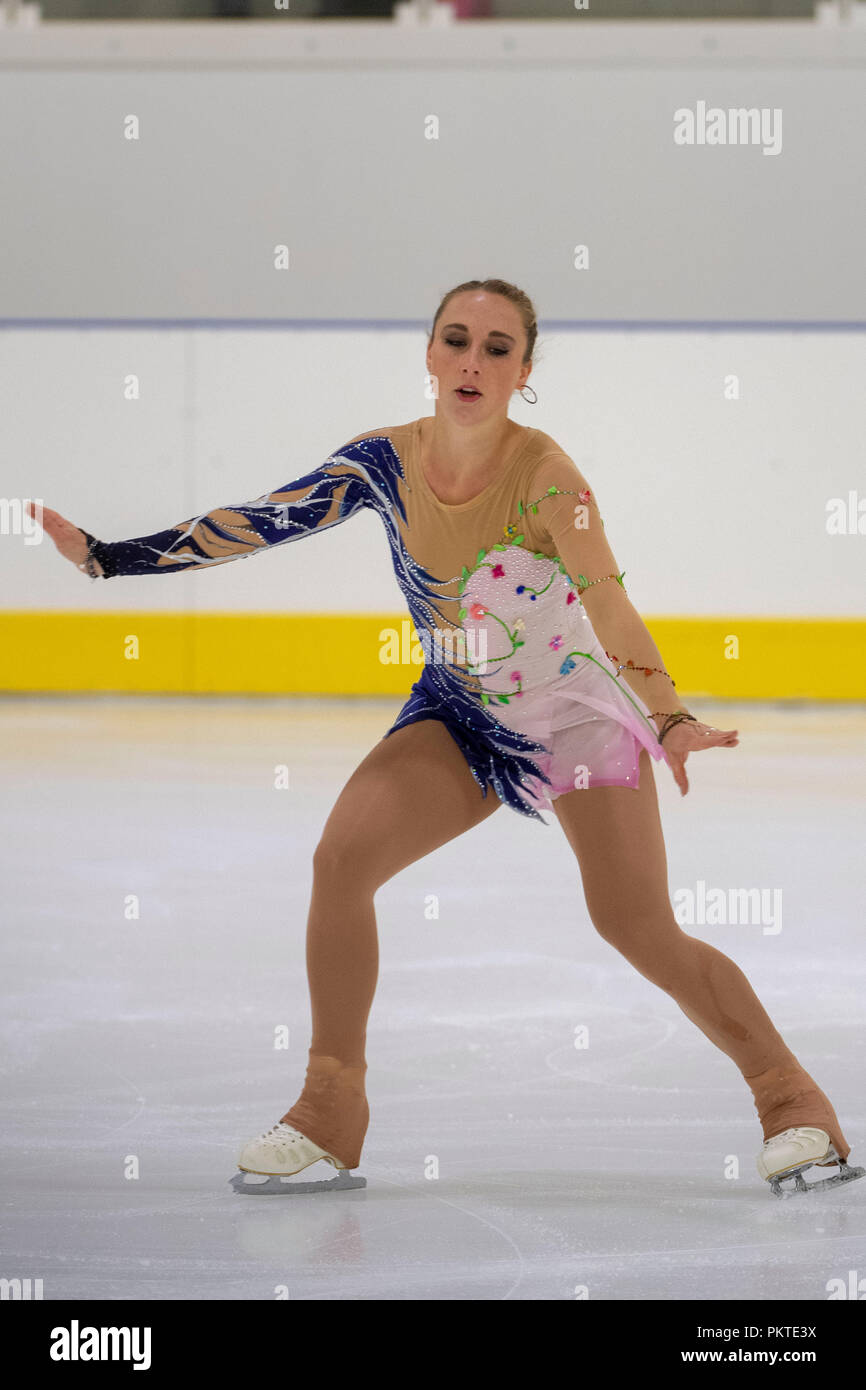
{"points": [[545, 1123]]}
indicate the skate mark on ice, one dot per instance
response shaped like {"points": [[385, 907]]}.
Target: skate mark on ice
{"points": [[671, 1026], [474, 1215]]}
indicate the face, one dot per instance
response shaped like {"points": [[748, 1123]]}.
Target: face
{"points": [[479, 342]]}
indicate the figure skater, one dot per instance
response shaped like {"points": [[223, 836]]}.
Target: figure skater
{"points": [[541, 682]]}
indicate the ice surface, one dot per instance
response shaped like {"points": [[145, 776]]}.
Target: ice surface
{"points": [[502, 1161]]}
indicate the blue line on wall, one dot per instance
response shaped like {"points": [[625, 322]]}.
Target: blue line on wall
{"points": [[386, 325]]}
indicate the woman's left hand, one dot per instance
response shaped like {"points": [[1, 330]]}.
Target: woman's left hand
{"points": [[689, 737]]}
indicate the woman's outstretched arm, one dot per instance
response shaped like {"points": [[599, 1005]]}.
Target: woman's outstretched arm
{"points": [[332, 493]]}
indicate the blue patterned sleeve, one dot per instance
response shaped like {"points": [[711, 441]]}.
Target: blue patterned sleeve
{"points": [[348, 481]]}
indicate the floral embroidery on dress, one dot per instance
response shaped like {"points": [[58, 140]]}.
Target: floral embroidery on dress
{"points": [[527, 592], [524, 591]]}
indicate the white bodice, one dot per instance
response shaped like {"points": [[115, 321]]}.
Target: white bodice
{"points": [[525, 607]]}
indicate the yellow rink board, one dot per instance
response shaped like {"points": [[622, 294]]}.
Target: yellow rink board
{"points": [[371, 654]]}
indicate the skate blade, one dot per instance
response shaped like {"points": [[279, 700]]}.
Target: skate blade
{"points": [[274, 1185], [845, 1174]]}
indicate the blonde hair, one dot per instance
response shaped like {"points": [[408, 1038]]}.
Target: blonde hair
{"points": [[521, 302]]}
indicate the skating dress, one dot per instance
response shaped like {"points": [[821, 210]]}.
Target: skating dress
{"points": [[512, 665]]}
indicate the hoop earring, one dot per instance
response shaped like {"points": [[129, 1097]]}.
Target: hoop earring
{"points": [[528, 388]]}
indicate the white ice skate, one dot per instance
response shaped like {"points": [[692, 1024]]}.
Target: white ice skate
{"points": [[789, 1154], [277, 1156]]}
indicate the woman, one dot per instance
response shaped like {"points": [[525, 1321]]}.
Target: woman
{"points": [[556, 697]]}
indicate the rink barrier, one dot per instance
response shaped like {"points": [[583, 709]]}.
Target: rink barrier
{"points": [[338, 654]]}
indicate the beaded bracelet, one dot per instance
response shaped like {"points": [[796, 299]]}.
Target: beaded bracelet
{"points": [[87, 566], [676, 716]]}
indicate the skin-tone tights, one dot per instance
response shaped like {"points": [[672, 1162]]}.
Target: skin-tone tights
{"points": [[414, 792]]}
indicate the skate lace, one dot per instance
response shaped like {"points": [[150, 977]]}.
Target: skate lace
{"points": [[784, 1137], [281, 1133]]}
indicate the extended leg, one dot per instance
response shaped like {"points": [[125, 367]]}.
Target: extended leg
{"points": [[412, 793], [616, 834]]}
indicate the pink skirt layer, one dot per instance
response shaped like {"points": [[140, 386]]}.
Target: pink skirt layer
{"points": [[594, 739], [547, 675]]}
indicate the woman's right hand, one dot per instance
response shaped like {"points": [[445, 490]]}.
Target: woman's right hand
{"points": [[69, 539]]}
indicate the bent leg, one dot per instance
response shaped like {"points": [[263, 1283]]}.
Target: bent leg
{"points": [[412, 793], [616, 834]]}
